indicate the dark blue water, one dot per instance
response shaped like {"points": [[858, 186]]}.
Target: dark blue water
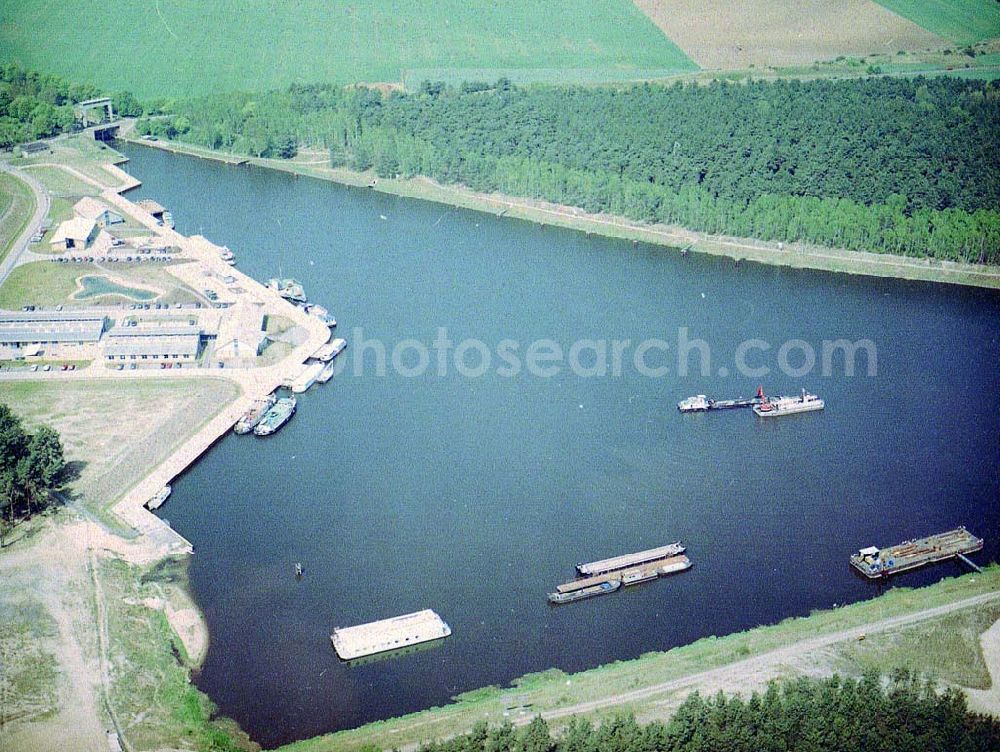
{"points": [[475, 496]]}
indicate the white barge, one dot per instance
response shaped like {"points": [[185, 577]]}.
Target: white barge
{"points": [[804, 403], [388, 634]]}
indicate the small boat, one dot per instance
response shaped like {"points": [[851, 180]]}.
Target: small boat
{"points": [[698, 403], [316, 309], [778, 406], [253, 416], [326, 374], [588, 592], [289, 289], [298, 569], [330, 350], [168, 219], [158, 498], [307, 378], [329, 320], [276, 416]]}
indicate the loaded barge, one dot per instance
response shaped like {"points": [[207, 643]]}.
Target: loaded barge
{"points": [[874, 562], [608, 575], [388, 634], [701, 404]]}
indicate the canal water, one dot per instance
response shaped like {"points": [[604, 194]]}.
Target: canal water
{"points": [[474, 496]]}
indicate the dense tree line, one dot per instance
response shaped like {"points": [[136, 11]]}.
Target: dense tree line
{"points": [[31, 465], [37, 105], [905, 714], [900, 165]]}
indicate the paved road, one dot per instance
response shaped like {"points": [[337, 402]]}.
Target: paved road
{"points": [[41, 211]]}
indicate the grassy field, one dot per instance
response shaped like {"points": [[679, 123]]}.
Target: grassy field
{"points": [[108, 453], [960, 21], [61, 183], [17, 204], [28, 686], [255, 44], [42, 283], [46, 283], [946, 648]]}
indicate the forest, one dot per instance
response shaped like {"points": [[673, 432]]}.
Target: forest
{"points": [[904, 713], [31, 465], [38, 105], [898, 165]]}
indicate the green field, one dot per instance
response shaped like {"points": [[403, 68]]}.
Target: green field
{"points": [[961, 21], [17, 204], [165, 48]]}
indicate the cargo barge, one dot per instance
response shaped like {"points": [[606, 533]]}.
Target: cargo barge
{"points": [[699, 403], [609, 582], [590, 591], [874, 562], [629, 560], [388, 634]]}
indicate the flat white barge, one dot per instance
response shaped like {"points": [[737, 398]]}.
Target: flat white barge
{"points": [[629, 560], [388, 634], [778, 406]]}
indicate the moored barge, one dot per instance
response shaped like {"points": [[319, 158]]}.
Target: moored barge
{"points": [[629, 560], [874, 562], [388, 634], [600, 588]]}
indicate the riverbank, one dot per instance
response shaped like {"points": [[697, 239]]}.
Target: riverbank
{"points": [[797, 255], [845, 639]]}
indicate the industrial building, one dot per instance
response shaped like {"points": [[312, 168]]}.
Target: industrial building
{"points": [[64, 333], [156, 343]]}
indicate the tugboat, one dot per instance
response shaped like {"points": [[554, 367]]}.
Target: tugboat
{"points": [[253, 416], [279, 414], [804, 403]]}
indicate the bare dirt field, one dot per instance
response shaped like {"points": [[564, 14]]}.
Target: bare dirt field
{"points": [[723, 34]]}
